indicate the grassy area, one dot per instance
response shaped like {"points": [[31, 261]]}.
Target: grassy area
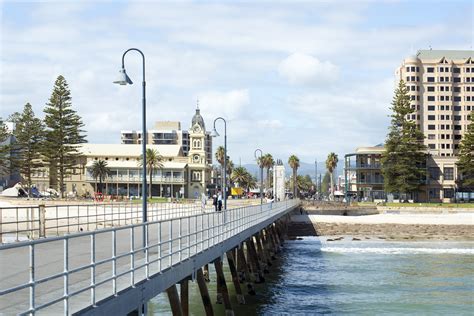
{"points": [[153, 200], [441, 205]]}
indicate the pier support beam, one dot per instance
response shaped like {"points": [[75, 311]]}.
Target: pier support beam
{"points": [[243, 265], [235, 276], [206, 273], [174, 301], [263, 255], [184, 289], [223, 287], [253, 257], [206, 299]]}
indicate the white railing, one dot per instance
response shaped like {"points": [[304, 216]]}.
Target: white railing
{"points": [[69, 273]]}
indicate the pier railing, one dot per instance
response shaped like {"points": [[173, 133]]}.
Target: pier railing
{"points": [[33, 222], [68, 273]]}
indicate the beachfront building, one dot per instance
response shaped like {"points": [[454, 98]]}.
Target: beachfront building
{"points": [[167, 133], [181, 175]]}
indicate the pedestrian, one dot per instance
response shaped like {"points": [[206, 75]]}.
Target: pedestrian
{"points": [[214, 202], [219, 201]]}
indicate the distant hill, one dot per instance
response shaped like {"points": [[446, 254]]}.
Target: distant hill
{"points": [[304, 169]]}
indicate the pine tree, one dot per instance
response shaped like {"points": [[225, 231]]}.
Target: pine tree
{"points": [[4, 148], [63, 133], [404, 156], [26, 150], [466, 158]]}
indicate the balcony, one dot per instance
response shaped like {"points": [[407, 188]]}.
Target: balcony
{"points": [[138, 179]]}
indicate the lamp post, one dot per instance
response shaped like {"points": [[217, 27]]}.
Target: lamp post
{"points": [[261, 172], [316, 173], [214, 133], [123, 80]]}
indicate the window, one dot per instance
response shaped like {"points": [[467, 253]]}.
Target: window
{"points": [[441, 98], [441, 69], [412, 97], [431, 98], [448, 173], [468, 98], [417, 68], [456, 79], [412, 78], [457, 99], [457, 127], [431, 79], [431, 127], [430, 69], [441, 88], [457, 137], [442, 107], [457, 108], [431, 117], [456, 70], [457, 89], [431, 136], [434, 193], [412, 68], [457, 117], [432, 146], [431, 107], [448, 193], [408, 78], [431, 89], [408, 69], [441, 79]]}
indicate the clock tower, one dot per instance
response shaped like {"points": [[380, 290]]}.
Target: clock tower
{"points": [[198, 169]]}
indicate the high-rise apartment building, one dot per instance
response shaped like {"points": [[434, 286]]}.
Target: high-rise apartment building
{"points": [[167, 133], [441, 88]]}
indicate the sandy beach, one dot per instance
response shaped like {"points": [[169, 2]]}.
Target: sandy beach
{"points": [[457, 226]]}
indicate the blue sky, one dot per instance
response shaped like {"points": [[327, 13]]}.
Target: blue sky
{"points": [[291, 77]]}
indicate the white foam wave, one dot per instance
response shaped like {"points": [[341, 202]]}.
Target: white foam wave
{"points": [[394, 250]]}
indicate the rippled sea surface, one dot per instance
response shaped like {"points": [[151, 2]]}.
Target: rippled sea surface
{"points": [[371, 277]]}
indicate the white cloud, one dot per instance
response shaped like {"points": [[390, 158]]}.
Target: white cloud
{"points": [[230, 105], [269, 124], [304, 69]]}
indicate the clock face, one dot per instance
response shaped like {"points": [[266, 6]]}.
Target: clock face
{"points": [[196, 158], [196, 129]]}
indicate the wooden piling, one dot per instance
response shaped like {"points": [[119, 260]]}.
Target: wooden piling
{"points": [[269, 244], [235, 276], [184, 289], [223, 287], [263, 255], [245, 267], [174, 301], [206, 299], [253, 257]]}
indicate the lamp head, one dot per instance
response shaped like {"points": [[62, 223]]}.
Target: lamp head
{"points": [[214, 133], [123, 79]]}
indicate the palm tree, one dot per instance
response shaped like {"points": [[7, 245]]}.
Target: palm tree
{"points": [[220, 153], [239, 175], [100, 170], [230, 167], [153, 161], [294, 163], [331, 164], [269, 162]]}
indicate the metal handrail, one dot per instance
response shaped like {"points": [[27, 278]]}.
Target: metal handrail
{"points": [[186, 236]]}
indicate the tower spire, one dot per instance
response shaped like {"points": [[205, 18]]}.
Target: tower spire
{"points": [[197, 104]]}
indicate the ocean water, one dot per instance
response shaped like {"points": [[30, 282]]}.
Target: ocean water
{"points": [[369, 277]]}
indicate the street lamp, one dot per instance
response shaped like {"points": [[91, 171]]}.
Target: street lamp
{"points": [[123, 80], [261, 172], [214, 133], [316, 173]]}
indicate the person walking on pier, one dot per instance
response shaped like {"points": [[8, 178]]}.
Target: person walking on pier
{"points": [[219, 201], [214, 202]]}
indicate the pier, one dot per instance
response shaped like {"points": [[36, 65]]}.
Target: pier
{"points": [[117, 270]]}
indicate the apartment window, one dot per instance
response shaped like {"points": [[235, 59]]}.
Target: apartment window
{"points": [[448, 146], [448, 193], [441, 107], [442, 146], [448, 136], [431, 89], [457, 99], [431, 117], [441, 98], [456, 70], [412, 78], [447, 88], [431, 98], [442, 136], [441, 117], [431, 107], [468, 108], [457, 117], [468, 89], [412, 97], [447, 117], [430, 69], [432, 146], [447, 98], [457, 137], [448, 173], [457, 127], [441, 79], [441, 88], [431, 136], [457, 108], [456, 79], [440, 69], [468, 98], [431, 127], [417, 68], [456, 146], [412, 88], [408, 78], [468, 79], [431, 79], [457, 89], [412, 68], [447, 107], [408, 69], [441, 126]]}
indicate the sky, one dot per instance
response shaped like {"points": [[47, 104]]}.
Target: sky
{"points": [[290, 77]]}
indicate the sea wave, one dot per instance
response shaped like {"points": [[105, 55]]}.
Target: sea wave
{"points": [[394, 250]]}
